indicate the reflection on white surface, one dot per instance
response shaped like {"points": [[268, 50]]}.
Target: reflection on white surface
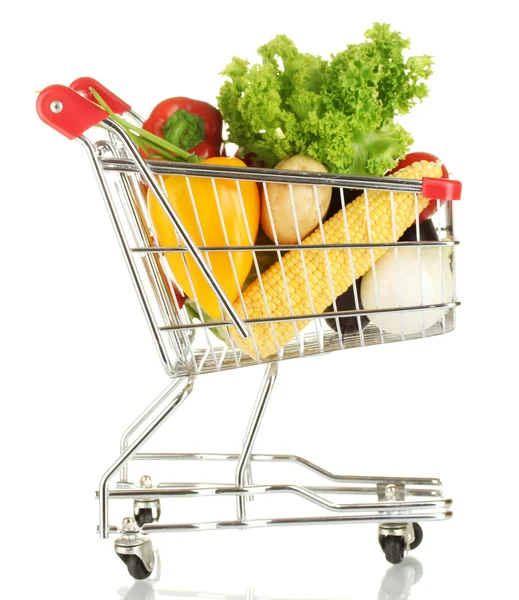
{"points": [[399, 579], [395, 585]]}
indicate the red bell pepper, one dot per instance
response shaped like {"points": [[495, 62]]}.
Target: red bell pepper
{"points": [[190, 124]]}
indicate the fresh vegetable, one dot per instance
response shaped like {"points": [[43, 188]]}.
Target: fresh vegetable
{"points": [[387, 281], [316, 262], [346, 301], [400, 281], [427, 232], [240, 229], [189, 124], [409, 160], [340, 112], [347, 195], [167, 280], [194, 316], [280, 219]]}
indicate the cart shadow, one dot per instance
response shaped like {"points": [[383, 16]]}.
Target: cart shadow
{"points": [[395, 585]]}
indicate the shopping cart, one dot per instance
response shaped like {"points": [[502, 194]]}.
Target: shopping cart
{"points": [[190, 344]]}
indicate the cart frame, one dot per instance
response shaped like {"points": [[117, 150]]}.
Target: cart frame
{"points": [[400, 503]]}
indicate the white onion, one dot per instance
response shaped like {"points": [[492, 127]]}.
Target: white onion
{"points": [[387, 283]]}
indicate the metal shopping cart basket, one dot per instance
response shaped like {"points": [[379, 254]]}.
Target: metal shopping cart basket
{"points": [[294, 324]]}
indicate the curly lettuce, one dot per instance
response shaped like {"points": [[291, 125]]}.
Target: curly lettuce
{"points": [[341, 112]]}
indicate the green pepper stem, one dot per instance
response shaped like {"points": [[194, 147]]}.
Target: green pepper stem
{"points": [[147, 146]]}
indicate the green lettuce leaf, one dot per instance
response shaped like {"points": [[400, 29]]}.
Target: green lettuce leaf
{"points": [[341, 112]]}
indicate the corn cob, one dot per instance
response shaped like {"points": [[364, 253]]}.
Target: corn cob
{"points": [[379, 203]]}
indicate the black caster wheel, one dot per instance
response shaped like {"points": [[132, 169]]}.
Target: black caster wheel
{"points": [[136, 568], [394, 548], [418, 536], [392, 544], [145, 515], [135, 550]]}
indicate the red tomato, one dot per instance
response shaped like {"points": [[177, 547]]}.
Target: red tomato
{"points": [[413, 157]]}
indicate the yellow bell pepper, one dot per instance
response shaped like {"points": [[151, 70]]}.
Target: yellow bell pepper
{"points": [[211, 226]]}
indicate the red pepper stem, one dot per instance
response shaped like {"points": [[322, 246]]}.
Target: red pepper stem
{"points": [[158, 143], [184, 129]]}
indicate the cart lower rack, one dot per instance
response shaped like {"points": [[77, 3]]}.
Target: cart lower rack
{"points": [[368, 274]]}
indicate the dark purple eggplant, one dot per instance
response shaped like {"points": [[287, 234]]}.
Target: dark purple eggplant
{"points": [[427, 232], [346, 301]]}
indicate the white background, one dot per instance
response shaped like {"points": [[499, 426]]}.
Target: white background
{"points": [[79, 363]]}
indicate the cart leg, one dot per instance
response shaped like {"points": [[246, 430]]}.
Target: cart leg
{"points": [[243, 468], [132, 449], [125, 438]]}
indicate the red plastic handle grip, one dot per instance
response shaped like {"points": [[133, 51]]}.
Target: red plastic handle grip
{"points": [[67, 111], [82, 86], [441, 189]]}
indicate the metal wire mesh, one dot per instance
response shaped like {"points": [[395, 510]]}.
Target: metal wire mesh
{"points": [[192, 342]]}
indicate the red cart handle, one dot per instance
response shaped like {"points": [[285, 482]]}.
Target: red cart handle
{"points": [[441, 189], [82, 86], [68, 112]]}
